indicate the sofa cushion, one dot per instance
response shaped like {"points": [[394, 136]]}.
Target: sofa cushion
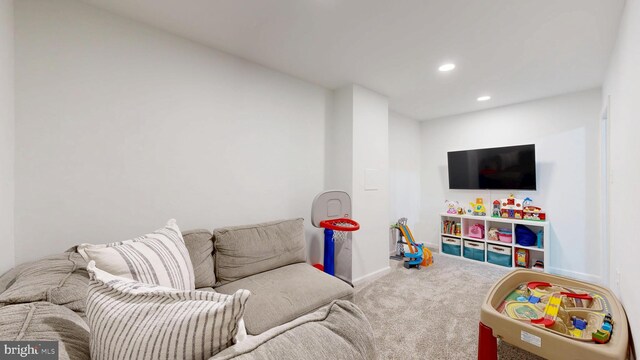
{"points": [[242, 251], [200, 246], [61, 279], [338, 331], [281, 295], [129, 319], [49, 322], [7, 279], [159, 258]]}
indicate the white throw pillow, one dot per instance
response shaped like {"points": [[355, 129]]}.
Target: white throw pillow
{"points": [[133, 320], [159, 258]]}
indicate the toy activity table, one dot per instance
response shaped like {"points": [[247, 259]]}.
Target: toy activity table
{"points": [[553, 317]]}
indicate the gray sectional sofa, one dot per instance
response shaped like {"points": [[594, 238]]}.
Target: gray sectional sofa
{"points": [[295, 311]]}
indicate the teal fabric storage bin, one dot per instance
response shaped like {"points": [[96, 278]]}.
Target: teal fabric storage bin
{"points": [[451, 246], [499, 255], [473, 250]]}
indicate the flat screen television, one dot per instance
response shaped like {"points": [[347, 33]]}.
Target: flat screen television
{"points": [[503, 168]]}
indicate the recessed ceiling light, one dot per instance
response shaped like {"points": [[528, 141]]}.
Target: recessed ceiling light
{"points": [[447, 67], [484, 98]]}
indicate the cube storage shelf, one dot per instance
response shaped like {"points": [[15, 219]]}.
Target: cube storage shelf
{"points": [[491, 252]]}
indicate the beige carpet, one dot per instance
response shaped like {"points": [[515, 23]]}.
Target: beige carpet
{"points": [[431, 313]]}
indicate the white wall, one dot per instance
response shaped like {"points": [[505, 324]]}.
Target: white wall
{"points": [[7, 135], [339, 142], [622, 85], [370, 206], [357, 143], [404, 173], [121, 126], [565, 132]]}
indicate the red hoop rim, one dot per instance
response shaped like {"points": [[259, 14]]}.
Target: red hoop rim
{"points": [[331, 224]]}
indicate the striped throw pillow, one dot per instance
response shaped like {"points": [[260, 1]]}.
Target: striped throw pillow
{"points": [[159, 258], [133, 320]]}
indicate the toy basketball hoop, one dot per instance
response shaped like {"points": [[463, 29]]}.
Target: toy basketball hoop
{"points": [[342, 224], [331, 210]]}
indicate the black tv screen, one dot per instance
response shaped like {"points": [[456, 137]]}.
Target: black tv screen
{"points": [[503, 168]]}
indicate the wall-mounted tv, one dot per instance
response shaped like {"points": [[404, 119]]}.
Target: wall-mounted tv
{"points": [[503, 168]]}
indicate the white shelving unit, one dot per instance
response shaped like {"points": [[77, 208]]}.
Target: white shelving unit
{"points": [[466, 221]]}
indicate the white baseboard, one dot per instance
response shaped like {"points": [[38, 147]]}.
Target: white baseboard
{"points": [[576, 275], [372, 276]]}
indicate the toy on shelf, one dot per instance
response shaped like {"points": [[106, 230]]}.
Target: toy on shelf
{"points": [[452, 206], [478, 208], [460, 210], [493, 234], [496, 209], [418, 255], [521, 258], [511, 208], [533, 212], [505, 236], [540, 237], [538, 266], [527, 237], [476, 231]]}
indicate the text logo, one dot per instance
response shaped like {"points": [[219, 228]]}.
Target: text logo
{"points": [[28, 350]]}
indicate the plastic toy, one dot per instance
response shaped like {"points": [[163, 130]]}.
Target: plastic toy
{"points": [[550, 311], [579, 322], [418, 255], [478, 208], [496, 209], [331, 210], [572, 319], [511, 208], [531, 212], [538, 265], [452, 206], [603, 335], [521, 258], [460, 210]]}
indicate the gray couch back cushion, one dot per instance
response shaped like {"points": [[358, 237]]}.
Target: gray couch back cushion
{"points": [[242, 251], [61, 279], [46, 321], [200, 246]]}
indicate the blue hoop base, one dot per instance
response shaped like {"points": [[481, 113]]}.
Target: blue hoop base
{"points": [[329, 252]]}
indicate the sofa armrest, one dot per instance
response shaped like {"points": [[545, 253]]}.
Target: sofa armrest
{"points": [[339, 330]]}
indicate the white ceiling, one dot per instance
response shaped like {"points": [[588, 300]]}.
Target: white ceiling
{"points": [[513, 50]]}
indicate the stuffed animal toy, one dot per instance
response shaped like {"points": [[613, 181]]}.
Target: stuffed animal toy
{"points": [[452, 206]]}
